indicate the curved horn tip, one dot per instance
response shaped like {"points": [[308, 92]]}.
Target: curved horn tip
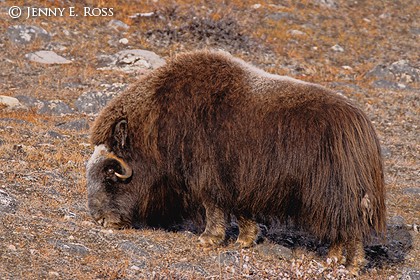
{"points": [[127, 171], [128, 174]]}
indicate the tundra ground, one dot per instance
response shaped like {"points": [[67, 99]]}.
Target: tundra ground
{"points": [[366, 50]]}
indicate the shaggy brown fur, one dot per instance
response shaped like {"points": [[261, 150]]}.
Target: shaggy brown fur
{"points": [[241, 141]]}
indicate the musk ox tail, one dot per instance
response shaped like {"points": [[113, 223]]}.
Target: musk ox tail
{"points": [[348, 200]]}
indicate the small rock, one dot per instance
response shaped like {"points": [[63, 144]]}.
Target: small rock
{"points": [[397, 221], [73, 248], [54, 273], [150, 14], [280, 16], [414, 190], [123, 41], [134, 267], [118, 24], [411, 274], [327, 3], [415, 30], [388, 85], [296, 32], [10, 102], [7, 203], [55, 135], [12, 248], [276, 250], [128, 246], [229, 257], [47, 57], [337, 48], [25, 34], [185, 266], [386, 152]]}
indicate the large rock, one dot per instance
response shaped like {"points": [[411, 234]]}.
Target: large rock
{"points": [[25, 34], [47, 57], [396, 75], [10, 102], [51, 107], [131, 61], [276, 250], [93, 101], [55, 107]]}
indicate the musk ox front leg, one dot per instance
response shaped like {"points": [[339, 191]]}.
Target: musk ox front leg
{"points": [[214, 234], [248, 232]]}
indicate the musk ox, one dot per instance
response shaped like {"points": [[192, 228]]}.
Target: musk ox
{"points": [[209, 130]]}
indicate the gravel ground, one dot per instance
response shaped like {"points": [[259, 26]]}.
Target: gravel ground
{"points": [[57, 72]]}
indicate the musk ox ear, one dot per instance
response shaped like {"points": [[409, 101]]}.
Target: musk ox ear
{"points": [[120, 134]]}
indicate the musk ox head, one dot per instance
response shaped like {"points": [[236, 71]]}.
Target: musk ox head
{"points": [[109, 176], [123, 194]]}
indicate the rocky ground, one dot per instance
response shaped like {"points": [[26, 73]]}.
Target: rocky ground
{"points": [[57, 72]]}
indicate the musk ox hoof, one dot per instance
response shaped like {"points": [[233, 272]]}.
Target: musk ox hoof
{"points": [[210, 240], [336, 254], [353, 270], [248, 232], [240, 243], [111, 221]]}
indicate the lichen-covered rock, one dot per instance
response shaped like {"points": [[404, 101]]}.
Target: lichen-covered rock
{"points": [[8, 204], [131, 61], [25, 34]]}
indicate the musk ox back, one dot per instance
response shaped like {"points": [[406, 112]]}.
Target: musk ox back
{"points": [[208, 130]]}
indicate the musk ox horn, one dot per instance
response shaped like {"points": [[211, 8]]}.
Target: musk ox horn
{"points": [[127, 171]]}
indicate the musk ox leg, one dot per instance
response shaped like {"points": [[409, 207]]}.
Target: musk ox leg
{"points": [[214, 234], [248, 232], [336, 253], [355, 256]]}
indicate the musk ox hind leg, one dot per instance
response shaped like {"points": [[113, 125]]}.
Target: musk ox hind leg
{"points": [[355, 256], [214, 234], [248, 232]]}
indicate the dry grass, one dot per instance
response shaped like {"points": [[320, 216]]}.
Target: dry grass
{"points": [[50, 235]]}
